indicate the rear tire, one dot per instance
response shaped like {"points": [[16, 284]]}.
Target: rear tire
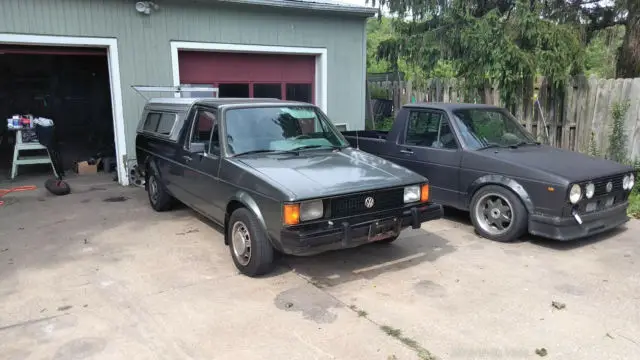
{"points": [[159, 198], [250, 248], [498, 214]]}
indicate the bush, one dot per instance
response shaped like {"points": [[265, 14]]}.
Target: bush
{"points": [[618, 137]]}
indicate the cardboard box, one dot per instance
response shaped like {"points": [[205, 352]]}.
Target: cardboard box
{"points": [[84, 168]]}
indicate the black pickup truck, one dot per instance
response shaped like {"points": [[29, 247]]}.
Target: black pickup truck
{"points": [[276, 176], [478, 158]]}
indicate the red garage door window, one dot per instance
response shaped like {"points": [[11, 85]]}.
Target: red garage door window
{"points": [[290, 77]]}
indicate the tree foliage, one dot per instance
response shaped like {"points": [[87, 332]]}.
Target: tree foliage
{"points": [[504, 43]]}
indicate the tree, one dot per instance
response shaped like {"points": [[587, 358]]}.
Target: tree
{"points": [[489, 42], [596, 15]]}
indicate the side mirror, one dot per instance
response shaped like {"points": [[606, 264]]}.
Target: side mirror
{"points": [[197, 148]]}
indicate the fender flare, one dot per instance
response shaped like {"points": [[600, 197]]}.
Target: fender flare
{"points": [[248, 202], [502, 181]]}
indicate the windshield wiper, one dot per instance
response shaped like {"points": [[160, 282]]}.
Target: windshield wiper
{"points": [[490, 146], [524, 143], [332, 147], [258, 152]]}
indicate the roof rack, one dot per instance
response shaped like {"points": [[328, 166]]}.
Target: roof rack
{"points": [[177, 91]]}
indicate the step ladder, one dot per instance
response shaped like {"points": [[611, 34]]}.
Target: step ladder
{"points": [[19, 160]]}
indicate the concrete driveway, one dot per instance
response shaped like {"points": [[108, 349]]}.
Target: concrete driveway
{"points": [[98, 275]]}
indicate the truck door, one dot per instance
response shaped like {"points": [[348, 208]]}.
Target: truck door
{"points": [[201, 161], [430, 148]]}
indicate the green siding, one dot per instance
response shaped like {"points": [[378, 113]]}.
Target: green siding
{"points": [[144, 41]]}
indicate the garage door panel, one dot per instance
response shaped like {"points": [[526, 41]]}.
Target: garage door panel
{"points": [[211, 67]]}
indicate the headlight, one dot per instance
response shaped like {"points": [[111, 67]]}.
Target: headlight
{"points": [[311, 210], [575, 194], [632, 181], [590, 189], [625, 182], [411, 194]]}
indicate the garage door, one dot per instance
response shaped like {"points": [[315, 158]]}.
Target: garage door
{"points": [[287, 77]]}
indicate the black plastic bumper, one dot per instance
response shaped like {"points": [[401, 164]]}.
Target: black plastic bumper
{"points": [[351, 232], [565, 229]]}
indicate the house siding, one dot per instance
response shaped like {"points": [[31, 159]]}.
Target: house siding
{"points": [[144, 41]]}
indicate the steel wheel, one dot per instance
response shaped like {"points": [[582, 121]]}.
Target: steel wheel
{"points": [[494, 213], [153, 189], [241, 242]]}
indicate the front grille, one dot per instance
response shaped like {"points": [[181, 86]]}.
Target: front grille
{"points": [[601, 184], [350, 205]]}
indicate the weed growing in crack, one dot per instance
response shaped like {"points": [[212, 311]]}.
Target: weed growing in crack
{"points": [[423, 353]]}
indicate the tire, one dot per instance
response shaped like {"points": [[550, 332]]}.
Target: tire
{"points": [[57, 187], [493, 207], [159, 198], [258, 258]]}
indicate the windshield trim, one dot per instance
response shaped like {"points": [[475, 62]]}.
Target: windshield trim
{"points": [[454, 112], [322, 117]]}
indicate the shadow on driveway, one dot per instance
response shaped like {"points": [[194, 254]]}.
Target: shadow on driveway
{"points": [[462, 217], [370, 261]]}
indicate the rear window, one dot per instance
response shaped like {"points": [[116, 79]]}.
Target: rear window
{"points": [[160, 123]]}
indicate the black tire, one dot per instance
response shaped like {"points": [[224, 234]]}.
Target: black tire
{"points": [[487, 206], [57, 187], [159, 198], [260, 257]]}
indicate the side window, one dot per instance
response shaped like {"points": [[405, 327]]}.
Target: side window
{"points": [[165, 125], [205, 131], [430, 129], [151, 123], [160, 123]]}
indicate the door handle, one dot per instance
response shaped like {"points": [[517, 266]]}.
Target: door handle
{"points": [[187, 158], [405, 151]]}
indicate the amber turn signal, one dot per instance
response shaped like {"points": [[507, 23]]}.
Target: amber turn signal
{"points": [[424, 193], [291, 214]]}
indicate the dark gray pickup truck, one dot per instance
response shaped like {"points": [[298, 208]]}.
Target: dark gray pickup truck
{"points": [[276, 175], [479, 158]]}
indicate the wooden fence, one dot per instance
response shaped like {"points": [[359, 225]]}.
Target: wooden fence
{"points": [[570, 115]]}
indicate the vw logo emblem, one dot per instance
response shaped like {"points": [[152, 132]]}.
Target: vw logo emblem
{"points": [[368, 202], [609, 186]]}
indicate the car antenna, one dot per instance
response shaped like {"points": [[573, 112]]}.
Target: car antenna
{"points": [[357, 141]]}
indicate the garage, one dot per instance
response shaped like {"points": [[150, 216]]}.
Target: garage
{"points": [[69, 85], [285, 77]]}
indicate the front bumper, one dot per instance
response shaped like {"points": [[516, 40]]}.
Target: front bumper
{"points": [[565, 229], [351, 232]]}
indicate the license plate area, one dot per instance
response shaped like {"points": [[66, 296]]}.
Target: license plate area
{"points": [[598, 204], [383, 229]]}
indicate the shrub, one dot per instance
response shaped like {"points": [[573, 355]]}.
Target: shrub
{"points": [[618, 137]]}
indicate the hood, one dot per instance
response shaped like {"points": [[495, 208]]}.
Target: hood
{"points": [[325, 173], [568, 165]]}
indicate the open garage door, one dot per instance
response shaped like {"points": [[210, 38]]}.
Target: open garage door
{"points": [[286, 77], [71, 86]]}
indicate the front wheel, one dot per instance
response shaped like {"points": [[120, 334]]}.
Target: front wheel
{"points": [[498, 214], [251, 250]]}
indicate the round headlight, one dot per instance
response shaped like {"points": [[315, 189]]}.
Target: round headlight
{"points": [[575, 194], [632, 181], [589, 190], [625, 182]]}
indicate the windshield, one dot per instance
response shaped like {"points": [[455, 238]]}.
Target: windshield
{"points": [[482, 128], [282, 128]]}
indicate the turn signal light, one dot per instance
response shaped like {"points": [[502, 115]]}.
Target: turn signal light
{"points": [[291, 214], [424, 193]]}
